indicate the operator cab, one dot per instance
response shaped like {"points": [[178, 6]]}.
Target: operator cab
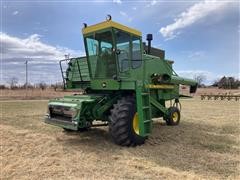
{"points": [[112, 49]]}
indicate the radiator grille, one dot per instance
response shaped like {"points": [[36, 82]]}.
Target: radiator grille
{"points": [[61, 112]]}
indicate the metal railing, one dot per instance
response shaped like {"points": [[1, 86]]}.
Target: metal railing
{"points": [[75, 74]]}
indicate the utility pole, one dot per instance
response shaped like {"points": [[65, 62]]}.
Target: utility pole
{"points": [[26, 84]]}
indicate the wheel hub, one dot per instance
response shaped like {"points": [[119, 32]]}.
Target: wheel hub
{"points": [[175, 116], [136, 123]]}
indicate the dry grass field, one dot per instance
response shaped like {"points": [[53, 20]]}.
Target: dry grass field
{"points": [[7, 94], [204, 146]]}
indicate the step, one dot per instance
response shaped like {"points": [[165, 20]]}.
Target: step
{"points": [[147, 121], [146, 107]]}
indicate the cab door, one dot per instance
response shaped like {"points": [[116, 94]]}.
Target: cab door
{"points": [[137, 63], [123, 45]]}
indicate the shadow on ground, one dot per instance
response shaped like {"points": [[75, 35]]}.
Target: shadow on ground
{"points": [[188, 147]]}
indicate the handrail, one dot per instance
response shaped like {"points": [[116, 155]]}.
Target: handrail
{"points": [[80, 74], [64, 80]]}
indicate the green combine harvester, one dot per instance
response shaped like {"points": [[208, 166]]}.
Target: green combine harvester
{"points": [[126, 83]]}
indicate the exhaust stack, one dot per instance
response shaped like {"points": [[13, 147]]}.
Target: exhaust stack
{"points": [[149, 39]]}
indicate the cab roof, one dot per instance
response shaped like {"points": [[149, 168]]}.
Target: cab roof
{"points": [[109, 24]]}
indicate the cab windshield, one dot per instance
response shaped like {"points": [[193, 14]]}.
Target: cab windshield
{"points": [[100, 55]]}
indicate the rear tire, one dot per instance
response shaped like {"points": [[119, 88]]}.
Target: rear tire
{"points": [[121, 125], [174, 116]]}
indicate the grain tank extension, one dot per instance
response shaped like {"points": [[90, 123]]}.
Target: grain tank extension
{"points": [[126, 84]]}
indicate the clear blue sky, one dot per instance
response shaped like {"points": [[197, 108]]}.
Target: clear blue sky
{"points": [[202, 37]]}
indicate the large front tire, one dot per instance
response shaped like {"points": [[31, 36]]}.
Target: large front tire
{"points": [[123, 125]]}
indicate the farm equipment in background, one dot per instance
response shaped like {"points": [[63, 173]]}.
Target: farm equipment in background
{"points": [[220, 96], [126, 83]]}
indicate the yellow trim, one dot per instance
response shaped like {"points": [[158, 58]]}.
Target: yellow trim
{"points": [[136, 124], [160, 86], [108, 24]]}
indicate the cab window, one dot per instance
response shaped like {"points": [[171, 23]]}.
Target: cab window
{"points": [[100, 55], [123, 50], [136, 52]]}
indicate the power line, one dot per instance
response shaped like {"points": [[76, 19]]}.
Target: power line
{"points": [[26, 62], [26, 84]]}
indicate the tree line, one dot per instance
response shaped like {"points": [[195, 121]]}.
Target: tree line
{"points": [[222, 83], [13, 83], [227, 83]]}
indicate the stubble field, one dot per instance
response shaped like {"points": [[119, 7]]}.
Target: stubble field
{"points": [[204, 146]]}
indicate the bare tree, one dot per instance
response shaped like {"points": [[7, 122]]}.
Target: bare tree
{"points": [[200, 78], [13, 82], [2, 86], [215, 82], [228, 83], [56, 86], [42, 85]]}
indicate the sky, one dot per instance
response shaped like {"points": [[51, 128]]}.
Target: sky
{"points": [[201, 36]]}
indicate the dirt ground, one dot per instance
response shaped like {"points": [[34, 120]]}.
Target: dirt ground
{"points": [[204, 146]]}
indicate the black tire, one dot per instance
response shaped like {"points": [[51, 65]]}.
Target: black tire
{"points": [[121, 123], [67, 130], [173, 117]]}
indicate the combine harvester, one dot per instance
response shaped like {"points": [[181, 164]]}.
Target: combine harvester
{"points": [[126, 83]]}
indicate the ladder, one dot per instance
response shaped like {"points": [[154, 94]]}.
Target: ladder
{"points": [[144, 110]]}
